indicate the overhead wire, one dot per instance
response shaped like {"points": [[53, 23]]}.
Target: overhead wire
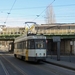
{"points": [[40, 7], [33, 8], [43, 11], [9, 12]]}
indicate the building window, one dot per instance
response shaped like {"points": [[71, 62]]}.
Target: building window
{"points": [[18, 32], [11, 32], [15, 32], [1, 32]]}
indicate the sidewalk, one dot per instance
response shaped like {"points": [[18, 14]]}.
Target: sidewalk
{"points": [[64, 64]]}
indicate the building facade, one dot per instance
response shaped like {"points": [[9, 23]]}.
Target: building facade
{"points": [[56, 28], [11, 30]]}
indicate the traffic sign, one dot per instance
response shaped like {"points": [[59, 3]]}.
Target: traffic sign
{"points": [[56, 39]]}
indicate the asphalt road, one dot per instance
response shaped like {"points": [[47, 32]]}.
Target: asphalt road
{"points": [[9, 65]]}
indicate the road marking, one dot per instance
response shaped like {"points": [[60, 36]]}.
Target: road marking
{"points": [[15, 66], [5, 70]]}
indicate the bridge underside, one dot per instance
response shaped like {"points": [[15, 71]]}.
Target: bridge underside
{"points": [[8, 37], [65, 46], [61, 36]]}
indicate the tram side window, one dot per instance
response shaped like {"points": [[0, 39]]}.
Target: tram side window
{"points": [[28, 44], [31, 44], [19, 45], [24, 44], [15, 46]]}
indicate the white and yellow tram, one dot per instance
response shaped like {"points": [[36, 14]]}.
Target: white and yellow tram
{"points": [[30, 48]]}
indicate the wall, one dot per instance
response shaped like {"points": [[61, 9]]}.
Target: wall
{"points": [[65, 47]]}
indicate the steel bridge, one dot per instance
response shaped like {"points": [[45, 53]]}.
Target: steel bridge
{"points": [[12, 37]]}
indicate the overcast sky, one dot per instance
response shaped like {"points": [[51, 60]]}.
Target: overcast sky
{"points": [[17, 12]]}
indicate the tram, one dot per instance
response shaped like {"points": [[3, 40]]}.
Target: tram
{"points": [[30, 47]]}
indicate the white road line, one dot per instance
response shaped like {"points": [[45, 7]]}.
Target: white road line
{"points": [[5, 70], [15, 66]]}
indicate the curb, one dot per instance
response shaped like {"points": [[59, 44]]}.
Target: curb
{"points": [[61, 65]]}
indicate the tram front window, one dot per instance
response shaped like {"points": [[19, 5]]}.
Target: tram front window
{"points": [[37, 44], [40, 44]]}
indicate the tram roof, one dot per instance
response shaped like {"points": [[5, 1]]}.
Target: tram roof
{"points": [[24, 37]]}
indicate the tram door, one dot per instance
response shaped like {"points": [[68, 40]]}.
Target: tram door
{"points": [[26, 55]]}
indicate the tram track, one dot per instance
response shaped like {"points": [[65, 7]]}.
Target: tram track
{"points": [[11, 69]]}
